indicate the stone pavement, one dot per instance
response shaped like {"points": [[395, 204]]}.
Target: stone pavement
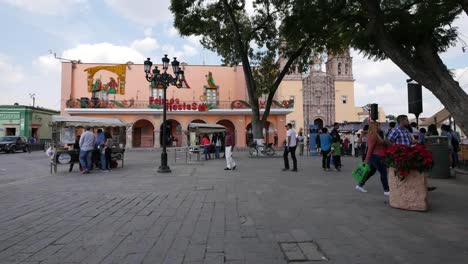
{"points": [[203, 214]]}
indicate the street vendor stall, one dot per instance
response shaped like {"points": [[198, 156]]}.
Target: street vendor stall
{"points": [[64, 149], [197, 129]]}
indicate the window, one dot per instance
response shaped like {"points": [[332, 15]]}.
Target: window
{"points": [[339, 68], [346, 68], [101, 94], [157, 93], [211, 96], [344, 99]]}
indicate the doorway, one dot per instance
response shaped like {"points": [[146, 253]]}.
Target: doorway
{"points": [[10, 131]]}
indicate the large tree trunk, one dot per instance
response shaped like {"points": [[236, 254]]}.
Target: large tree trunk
{"points": [[465, 6], [257, 124]]}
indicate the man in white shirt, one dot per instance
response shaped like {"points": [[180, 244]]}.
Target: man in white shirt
{"points": [[290, 148], [87, 143]]}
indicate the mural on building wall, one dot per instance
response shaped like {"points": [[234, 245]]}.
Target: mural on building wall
{"points": [[210, 81], [113, 86]]}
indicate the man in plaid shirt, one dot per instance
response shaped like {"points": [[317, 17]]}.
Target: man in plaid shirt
{"points": [[400, 135]]}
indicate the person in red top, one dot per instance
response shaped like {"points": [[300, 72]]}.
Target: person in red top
{"points": [[374, 157], [206, 147]]}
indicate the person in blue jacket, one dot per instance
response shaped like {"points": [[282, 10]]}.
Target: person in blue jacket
{"points": [[325, 145]]}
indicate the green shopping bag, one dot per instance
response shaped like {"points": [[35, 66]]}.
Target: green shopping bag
{"points": [[361, 172]]}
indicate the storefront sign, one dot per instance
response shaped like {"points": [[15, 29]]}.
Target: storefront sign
{"points": [[9, 116], [177, 105]]}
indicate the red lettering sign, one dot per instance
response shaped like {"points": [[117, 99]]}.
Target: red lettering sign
{"points": [[174, 104]]}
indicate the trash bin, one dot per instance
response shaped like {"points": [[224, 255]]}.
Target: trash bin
{"points": [[440, 154]]}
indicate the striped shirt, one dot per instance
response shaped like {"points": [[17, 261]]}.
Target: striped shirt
{"points": [[400, 136]]}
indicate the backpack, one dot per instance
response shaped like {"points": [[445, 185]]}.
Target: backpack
{"points": [[455, 144]]}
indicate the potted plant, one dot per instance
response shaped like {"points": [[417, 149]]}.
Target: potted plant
{"points": [[407, 178]]}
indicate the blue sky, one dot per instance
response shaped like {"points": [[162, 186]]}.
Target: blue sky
{"points": [[131, 30]]}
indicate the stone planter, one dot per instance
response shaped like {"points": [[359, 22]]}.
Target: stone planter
{"points": [[410, 193]]}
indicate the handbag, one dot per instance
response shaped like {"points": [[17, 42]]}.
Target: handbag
{"points": [[361, 172]]}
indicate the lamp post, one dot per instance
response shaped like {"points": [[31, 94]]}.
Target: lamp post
{"points": [[163, 80]]}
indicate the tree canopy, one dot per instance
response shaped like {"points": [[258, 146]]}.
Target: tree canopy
{"points": [[412, 33]]}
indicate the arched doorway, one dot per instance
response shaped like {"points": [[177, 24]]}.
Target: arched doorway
{"points": [[269, 132], [143, 134], [228, 124], [173, 133], [318, 122]]}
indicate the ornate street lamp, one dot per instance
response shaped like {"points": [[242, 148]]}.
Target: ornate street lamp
{"points": [[163, 80]]}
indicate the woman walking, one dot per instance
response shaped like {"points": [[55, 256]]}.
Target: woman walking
{"points": [[206, 147], [374, 157]]}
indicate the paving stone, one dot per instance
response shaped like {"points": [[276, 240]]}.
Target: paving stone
{"points": [[312, 251]]}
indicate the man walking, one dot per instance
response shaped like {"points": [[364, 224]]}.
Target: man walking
{"points": [[290, 148], [87, 143], [229, 144], [101, 147], [335, 133]]}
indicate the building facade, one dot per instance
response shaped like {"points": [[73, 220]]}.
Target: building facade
{"points": [[28, 121], [210, 94], [325, 96]]}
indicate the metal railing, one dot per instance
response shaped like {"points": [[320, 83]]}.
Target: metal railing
{"points": [[189, 154], [85, 102]]}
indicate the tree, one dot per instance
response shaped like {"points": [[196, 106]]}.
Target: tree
{"points": [[252, 40], [391, 117], [411, 33], [464, 4]]}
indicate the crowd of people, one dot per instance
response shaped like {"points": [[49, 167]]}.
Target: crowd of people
{"points": [[89, 143], [370, 145], [219, 142]]}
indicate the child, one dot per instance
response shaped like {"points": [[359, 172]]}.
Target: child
{"points": [[336, 153]]}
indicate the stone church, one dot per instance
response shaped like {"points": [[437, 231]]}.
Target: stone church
{"points": [[324, 97]]}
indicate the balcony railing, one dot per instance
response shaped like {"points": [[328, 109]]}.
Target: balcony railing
{"points": [[173, 104]]}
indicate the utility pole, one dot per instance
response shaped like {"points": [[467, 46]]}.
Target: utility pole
{"points": [[33, 96]]}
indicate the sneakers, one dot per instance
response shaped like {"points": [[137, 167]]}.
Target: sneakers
{"points": [[295, 170], [104, 171], [361, 189], [386, 193], [284, 169], [234, 168], [227, 169]]}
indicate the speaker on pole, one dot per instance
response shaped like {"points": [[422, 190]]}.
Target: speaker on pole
{"points": [[415, 98], [374, 108]]}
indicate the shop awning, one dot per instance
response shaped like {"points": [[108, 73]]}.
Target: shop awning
{"points": [[207, 128], [70, 121]]}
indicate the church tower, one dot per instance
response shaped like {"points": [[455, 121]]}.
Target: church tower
{"points": [[341, 68], [319, 95]]}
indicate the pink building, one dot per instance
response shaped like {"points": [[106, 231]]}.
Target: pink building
{"points": [[121, 91]]}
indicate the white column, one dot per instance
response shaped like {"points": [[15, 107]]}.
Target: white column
{"points": [[156, 143], [129, 137]]}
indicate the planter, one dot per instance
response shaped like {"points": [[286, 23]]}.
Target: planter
{"points": [[410, 193]]}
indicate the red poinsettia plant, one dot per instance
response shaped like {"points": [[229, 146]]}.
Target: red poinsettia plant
{"points": [[405, 159]]}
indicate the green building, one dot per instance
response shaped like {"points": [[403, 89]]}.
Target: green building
{"points": [[28, 121]]}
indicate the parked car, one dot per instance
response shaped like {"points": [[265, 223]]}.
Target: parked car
{"points": [[10, 144]]}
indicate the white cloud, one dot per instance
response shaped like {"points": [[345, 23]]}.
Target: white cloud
{"points": [[146, 45], [144, 12], [48, 7], [148, 32], [47, 64], [195, 40], [10, 73], [190, 51], [103, 52], [172, 31]]}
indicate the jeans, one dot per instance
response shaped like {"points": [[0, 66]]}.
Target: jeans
{"points": [[376, 164], [102, 154], [291, 150], [325, 159], [337, 161], [217, 150], [108, 158], [363, 151], [85, 159], [206, 151], [301, 148]]}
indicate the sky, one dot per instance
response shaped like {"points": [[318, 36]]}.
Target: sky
{"points": [[118, 31]]}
